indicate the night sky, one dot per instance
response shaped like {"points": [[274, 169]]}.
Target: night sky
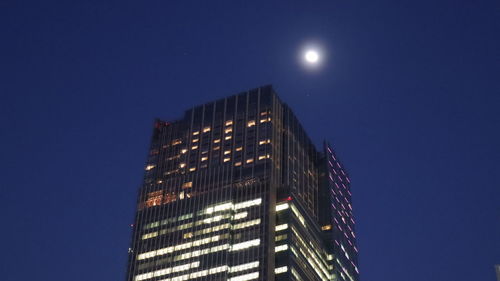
{"points": [[409, 95]]}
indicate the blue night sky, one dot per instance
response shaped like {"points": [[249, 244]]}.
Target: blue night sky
{"points": [[409, 95]]}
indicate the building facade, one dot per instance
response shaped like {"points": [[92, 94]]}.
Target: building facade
{"points": [[236, 190]]}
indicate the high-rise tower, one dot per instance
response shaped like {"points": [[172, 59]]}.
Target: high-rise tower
{"points": [[237, 191]]}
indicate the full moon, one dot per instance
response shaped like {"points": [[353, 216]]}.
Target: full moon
{"points": [[311, 56]]}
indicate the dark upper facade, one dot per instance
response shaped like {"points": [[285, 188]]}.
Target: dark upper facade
{"points": [[237, 191]]}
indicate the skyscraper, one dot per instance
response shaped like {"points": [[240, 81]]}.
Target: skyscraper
{"points": [[236, 190]]}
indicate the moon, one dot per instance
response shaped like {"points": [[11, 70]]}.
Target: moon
{"points": [[311, 56]]}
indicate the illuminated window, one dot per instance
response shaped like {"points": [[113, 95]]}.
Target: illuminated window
{"points": [[196, 140], [149, 235], [192, 169], [187, 235], [182, 165], [264, 141], [281, 227], [228, 137], [265, 120], [245, 277], [217, 148], [206, 129], [245, 245], [245, 266], [263, 113], [246, 224], [250, 160], [205, 158], [217, 141], [228, 130], [280, 237], [281, 248], [196, 133], [326, 227], [240, 216], [194, 147], [239, 148], [229, 122], [226, 159], [237, 164], [188, 184], [249, 203], [166, 271], [282, 269], [251, 123], [218, 208], [281, 207], [227, 152], [149, 167], [183, 150], [176, 142], [262, 157]]}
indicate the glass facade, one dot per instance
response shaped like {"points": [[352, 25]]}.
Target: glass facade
{"points": [[234, 191]]}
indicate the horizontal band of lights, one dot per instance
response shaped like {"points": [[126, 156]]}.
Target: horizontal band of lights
{"points": [[280, 237], [167, 221], [198, 274], [179, 247], [245, 245], [281, 248], [201, 273], [234, 247], [210, 229], [166, 271], [245, 266], [281, 227], [281, 269], [202, 252], [209, 220], [282, 207], [245, 277], [217, 208], [149, 235], [230, 206], [240, 216], [246, 224]]}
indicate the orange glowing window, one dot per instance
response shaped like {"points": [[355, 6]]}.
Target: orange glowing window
{"points": [[154, 198], [251, 123]]}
